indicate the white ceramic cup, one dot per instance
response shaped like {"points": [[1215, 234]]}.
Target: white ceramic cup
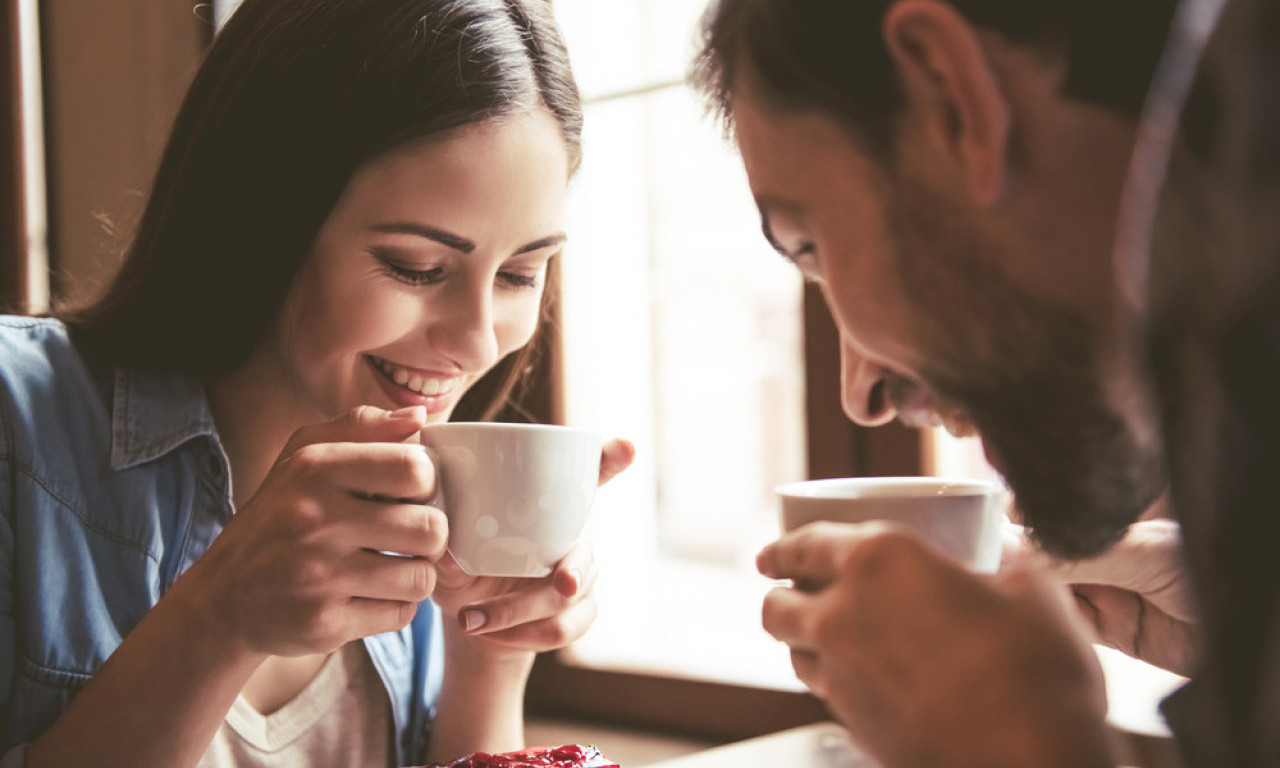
{"points": [[962, 518], [517, 495]]}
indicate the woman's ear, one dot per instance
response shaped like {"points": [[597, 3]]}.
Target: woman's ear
{"points": [[948, 81]]}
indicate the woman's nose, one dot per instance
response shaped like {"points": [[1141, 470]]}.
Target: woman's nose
{"points": [[463, 327], [863, 390]]}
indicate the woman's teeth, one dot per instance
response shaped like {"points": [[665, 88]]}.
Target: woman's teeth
{"points": [[415, 382]]}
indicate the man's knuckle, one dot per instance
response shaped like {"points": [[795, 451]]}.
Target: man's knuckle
{"points": [[883, 550]]}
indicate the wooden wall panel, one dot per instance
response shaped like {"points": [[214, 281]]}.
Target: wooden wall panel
{"points": [[114, 73]]}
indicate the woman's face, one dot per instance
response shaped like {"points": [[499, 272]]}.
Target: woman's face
{"points": [[428, 271]]}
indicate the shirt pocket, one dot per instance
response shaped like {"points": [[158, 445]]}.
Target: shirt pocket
{"points": [[39, 696]]}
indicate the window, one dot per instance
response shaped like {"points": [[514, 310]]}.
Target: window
{"points": [[682, 331], [24, 272]]}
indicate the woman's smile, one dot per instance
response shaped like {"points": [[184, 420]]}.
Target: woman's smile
{"points": [[411, 386]]}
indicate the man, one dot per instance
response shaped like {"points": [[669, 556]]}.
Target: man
{"points": [[950, 172]]}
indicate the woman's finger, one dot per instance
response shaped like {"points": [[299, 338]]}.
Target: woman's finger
{"points": [[404, 529], [367, 470], [615, 456], [450, 576], [363, 424], [377, 576], [576, 572], [547, 634], [523, 606], [373, 617]]}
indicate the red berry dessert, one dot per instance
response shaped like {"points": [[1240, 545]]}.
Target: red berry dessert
{"points": [[567, 756]]}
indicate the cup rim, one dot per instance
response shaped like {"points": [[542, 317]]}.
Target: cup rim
{"points": [[520, 426], [828, 488]]}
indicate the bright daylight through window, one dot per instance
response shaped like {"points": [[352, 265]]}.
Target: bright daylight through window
{"points": [[682, 332]]}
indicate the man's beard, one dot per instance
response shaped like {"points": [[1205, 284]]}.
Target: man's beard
{"points": [[1028, 375]]}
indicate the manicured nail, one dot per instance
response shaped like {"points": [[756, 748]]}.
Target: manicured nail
{"points": [[474, 619], [412, 413]]}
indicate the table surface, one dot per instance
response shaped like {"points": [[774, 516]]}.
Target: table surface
{"points": [[821, 745]]}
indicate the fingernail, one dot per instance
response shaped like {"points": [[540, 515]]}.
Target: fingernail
{"points": [[473, 619], [411, 413]]}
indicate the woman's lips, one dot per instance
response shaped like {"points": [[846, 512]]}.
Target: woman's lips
{"points": [[411, 386]]}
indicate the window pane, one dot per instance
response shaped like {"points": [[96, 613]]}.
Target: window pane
{"points": [[617, 45], [682, 332]]}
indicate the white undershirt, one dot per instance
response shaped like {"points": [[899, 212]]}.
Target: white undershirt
{"points": [[342, 718]]}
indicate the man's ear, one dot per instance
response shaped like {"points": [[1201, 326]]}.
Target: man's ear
{"points": [[946, 76]]}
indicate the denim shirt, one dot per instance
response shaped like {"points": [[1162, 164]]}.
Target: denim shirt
{"points": [[112, 483]]}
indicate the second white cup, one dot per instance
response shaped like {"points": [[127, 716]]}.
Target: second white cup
{"points": [[963, 518]]}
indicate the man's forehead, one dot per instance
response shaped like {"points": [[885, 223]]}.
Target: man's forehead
{"points": [[782, 147]]}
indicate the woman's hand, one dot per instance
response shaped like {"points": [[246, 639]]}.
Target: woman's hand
{"points": [[531, 615], [1135, 595], [492, 629], [301, 567]]}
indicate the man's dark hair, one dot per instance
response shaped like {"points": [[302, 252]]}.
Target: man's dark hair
{"points": [[291, 99], [830, 55]]}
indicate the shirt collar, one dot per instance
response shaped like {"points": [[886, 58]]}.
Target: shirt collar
{"points": [[153, 414]]}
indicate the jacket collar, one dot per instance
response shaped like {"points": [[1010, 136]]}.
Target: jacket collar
{"points": [[153, 414]]}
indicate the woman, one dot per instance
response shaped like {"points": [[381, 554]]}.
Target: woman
{"points": [[204, 470]]}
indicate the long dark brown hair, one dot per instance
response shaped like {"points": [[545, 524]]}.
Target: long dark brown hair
{"points": [[292, 97]]}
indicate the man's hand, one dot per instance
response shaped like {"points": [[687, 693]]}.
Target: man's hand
{"points": [[929, 664], [1135, 595]]}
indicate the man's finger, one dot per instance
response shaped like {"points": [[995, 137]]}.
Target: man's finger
{"points": [[812, 553], [786, 615], [1147, 561]]}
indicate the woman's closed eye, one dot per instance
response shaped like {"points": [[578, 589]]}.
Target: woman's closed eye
{"points": [[520, 280], [414, 276]]}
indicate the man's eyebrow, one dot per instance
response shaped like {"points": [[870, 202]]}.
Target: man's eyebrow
{"points": [[456, 242]]}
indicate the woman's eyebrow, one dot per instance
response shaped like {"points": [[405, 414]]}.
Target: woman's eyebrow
{"points": [[545, 242], [456, 242]]}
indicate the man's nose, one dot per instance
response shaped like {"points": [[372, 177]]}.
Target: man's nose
{"points": [[463, 329], [863, 390]]}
